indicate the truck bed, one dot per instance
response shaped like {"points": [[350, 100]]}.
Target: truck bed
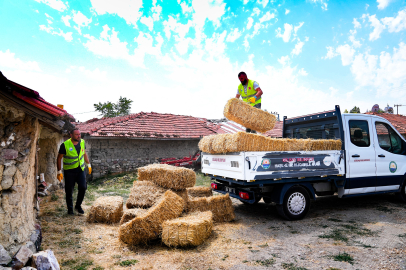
{"points": [[255, 166]]}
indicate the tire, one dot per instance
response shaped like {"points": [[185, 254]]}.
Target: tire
{"points": [[296, 204], [402, 194]]}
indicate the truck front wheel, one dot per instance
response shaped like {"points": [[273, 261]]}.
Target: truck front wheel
{"points": [[402, 193], [296, 203]]}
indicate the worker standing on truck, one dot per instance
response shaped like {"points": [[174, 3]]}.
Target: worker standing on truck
{"points": [[73, 153], [250, 92]]}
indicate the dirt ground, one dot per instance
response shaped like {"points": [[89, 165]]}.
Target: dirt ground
{"points": [[357, 233]]}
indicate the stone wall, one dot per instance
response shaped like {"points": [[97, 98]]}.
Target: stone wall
{"points": [[121, 155], [18, 137], [49, 142]]}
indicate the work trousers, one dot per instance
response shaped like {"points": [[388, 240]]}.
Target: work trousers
{"points": [[72, 177], [249, 130]]}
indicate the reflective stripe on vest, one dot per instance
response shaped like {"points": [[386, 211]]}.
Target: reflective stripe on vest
{"points": [[71, 159], [250, 92]]}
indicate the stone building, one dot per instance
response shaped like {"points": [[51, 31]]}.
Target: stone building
{"points": [[124, 143], [31, 130]]}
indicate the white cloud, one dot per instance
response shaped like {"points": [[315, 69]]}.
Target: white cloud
{"points": [[287, 11], [246, 43], [330, 53], [356, 23], [284, 60], [249, 24], [396, 24], [48, 16], [234, 35], [355, 43], [334, 91], [186, 8], [256, 11], [302, 72], [95, 74], [347, 54], [211, 10], [156, 12], [378, 28], [298, 48], [47, 29], [67, 36], [66, 19], [148, 21], [263, 2], [298, 27], [55, 4], [129, 10], [268, 16], [245, 1], [49, 21], [172, 25], [287, 33], [80, 20], [8, 60], [322, 3], [383, 3]]}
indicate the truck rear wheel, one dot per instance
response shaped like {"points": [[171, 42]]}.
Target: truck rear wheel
{"points": [[296, 203], [402, 193]]}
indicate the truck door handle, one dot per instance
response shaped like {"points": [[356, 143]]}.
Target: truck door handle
{"points": [[381, 155], [249, 163], [355, 156]]}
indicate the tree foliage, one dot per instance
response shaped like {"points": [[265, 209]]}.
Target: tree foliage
{"points": [[345, 111], [109, 109], [355, 110]]}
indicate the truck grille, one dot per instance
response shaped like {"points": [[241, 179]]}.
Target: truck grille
{"points": [[234, 164]]}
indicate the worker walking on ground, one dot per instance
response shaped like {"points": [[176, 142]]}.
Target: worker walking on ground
{"points": [[250, 92], [73, 153]]}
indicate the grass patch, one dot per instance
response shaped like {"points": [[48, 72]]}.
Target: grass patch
{"points": [[402, 235], [77, 264], [344, 231], [202, 180], [266, 263], [225, 257], [128, 262], [264, 245], [344, 257], [334, 219], [54, 197], [336, 235], [292, 266], [294, 232]]}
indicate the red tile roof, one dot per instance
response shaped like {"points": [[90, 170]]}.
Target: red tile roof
{"points": [[397, 120], [276, 132], [33, 98], [155, 125]]}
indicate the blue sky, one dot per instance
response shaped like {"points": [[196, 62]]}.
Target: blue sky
{"points": [[183, 57]]}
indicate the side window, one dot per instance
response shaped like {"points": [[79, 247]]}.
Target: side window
{"points": [[359, 133], [388, 139]]}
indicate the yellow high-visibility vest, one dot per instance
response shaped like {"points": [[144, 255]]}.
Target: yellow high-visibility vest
{"points": [[72, 159], [250, 92]]}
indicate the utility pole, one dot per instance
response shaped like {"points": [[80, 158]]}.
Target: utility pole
{"points": [[397, 107]]}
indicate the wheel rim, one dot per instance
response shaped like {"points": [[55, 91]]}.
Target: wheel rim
{"points": [[296, 203]]}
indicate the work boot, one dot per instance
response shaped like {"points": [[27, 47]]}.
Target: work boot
{"points": [[70, 212], [79, 209]]}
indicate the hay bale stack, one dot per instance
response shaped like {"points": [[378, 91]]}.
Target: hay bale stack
{"points": [[149, 225], [221, 206], [106, 210], [130, 214], [190, 230], [144, 194], [177, 178], [200, 191], [205, 144], [242, 141], [242, 113], [184, 195]]}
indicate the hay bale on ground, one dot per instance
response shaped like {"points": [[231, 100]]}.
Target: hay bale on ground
{"points": [[200, 191], [149, 225], [184, 195], [190, 230], [144, 194], [242, 141], [167, 176], [221, 206], [242, 113], [130, 214], [106, 210]]}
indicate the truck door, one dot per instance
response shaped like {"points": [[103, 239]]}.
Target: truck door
{"points": [[390, 157], [360, 154]]}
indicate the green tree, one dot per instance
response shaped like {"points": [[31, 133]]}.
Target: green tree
{"points": [[109, 109], [345, 111], [355, 110]]}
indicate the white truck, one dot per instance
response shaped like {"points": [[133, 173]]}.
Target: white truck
{"points": [[372, 160]]}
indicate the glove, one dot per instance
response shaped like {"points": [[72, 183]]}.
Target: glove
{"points": [[89, 167], [252, 99], [59, 176]]}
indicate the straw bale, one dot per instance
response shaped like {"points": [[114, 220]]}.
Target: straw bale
{"points": [[191, 230], [200, 191], [130, 214], [205, 144], [244, 114], [242, 141], [184, 195], [106, 210], [148, 226], [221, 206], [144, 194], [167, 176]]}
